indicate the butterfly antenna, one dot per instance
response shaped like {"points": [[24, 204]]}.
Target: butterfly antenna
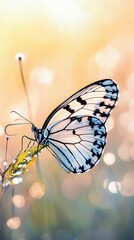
{"points": [[20, 58], [13, 124], [22, 117], [16, 124]]}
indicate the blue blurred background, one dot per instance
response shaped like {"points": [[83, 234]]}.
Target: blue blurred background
{"points": [[68, 44]]}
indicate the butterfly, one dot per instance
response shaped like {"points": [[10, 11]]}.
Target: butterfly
{"points": [[75, 131]]}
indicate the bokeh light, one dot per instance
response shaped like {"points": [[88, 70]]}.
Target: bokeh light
{"points": [[105, 183], [127, 184], [37, 190], [41, 76], [14, 223], [114, 187], [108, 57], [17, 180], [19, 201], [5, 163], [109, 158]]}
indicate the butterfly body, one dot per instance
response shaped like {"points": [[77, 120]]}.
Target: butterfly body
{"points": [[75, 131]]}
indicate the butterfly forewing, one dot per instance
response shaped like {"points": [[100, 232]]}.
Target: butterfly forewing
{"points": [[77, 143], [97, 100]]}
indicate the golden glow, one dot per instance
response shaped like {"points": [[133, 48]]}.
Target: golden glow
{"points": [[14, 223], [41, 75], [108, 57], [37, 190], [67, 44], [66, 13]]}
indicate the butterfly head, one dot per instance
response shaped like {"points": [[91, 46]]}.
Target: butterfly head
{"points": [[38, 135]]}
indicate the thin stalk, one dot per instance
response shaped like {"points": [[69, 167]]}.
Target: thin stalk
{"points": [[6, 150], [24, 85]]}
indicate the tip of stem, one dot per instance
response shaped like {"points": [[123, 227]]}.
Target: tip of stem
{"points": [[7, 138], [20, 57]]}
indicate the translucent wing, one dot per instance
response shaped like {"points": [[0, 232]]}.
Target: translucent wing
{"points": [[77, 142], [97, 100], [75, 131]]}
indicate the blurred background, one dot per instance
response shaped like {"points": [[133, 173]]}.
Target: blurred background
{"points": [[67, 44]]}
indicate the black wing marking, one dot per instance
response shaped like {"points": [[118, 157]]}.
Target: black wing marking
{"points": [[77, 142]]}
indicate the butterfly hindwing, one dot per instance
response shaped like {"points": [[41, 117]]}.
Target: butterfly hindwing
{"points": [[77, 142], [97, 100]]}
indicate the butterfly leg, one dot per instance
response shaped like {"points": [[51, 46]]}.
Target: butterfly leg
{"points": [[22, 143]]}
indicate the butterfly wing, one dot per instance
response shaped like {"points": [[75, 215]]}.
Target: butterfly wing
{"points": [[75, 131], [97, 100], [77, 142]]}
